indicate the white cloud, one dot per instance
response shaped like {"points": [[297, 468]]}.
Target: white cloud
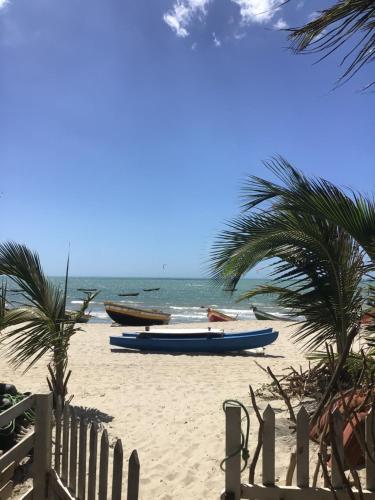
{"points": [[217, 42], [280, 24], [300, 4], [182, 13], [3, 3], [257, 11], [194, 46]]}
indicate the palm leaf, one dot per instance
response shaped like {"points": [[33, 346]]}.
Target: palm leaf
{"points": [[346, 21]]}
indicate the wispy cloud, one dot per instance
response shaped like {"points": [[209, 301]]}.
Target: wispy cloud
{"points": [[217, 42], [257, 11], [3, 3], [280, 24], [182, 13]]}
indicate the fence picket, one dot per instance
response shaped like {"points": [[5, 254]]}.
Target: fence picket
{"points": [[58, 415], [268, 465], [232, 445], [133, 476], [302, 452], [118, 458], [337, 431], [370, 441], [65, 444], [103, 466], [73, 452], [91, 488], [82, 458]]}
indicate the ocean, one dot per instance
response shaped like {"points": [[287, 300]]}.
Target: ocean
{"points": [[185, 299]]}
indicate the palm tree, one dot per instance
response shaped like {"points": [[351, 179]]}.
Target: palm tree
{"points": [[345, 21], [321, 242], [39, 327]]}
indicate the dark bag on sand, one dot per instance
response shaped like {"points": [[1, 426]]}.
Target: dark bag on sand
{"points": [[8, 389]]}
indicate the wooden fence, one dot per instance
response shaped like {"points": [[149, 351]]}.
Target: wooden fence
{"points": [[268, 490], [80, 471], [77, 472], [36, 440]]}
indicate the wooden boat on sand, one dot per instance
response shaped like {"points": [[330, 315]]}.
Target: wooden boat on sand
{"points": [[262, 315], [132, 316], [194, 340], [214, 315]]}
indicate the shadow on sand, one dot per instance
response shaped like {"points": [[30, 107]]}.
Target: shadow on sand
{"points": [[92, 415], [234, 354]]}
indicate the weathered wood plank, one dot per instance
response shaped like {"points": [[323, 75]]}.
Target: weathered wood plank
{"points": [[370, 441], [91, 488], [65, 444], [16, 410], [19, 451], [233, 445], [28, 495], [61, 492], [337, 435], [260, 492], [58, 416], [6, 490], [268, 465], [133, 476], [42, 444], [82, 459], [103, 466], [73, 452], [302, 452], [6, 474], [118, 458]]}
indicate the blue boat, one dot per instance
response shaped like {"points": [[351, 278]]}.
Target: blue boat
{"points": [[194, 340]]}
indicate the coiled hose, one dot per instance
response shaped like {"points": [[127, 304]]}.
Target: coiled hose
{"points": [[243, 449]]}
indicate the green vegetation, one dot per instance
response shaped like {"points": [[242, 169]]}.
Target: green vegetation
{"points": [[41, 326], [321, 242], [346, 21]]}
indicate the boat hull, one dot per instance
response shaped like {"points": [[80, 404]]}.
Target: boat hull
{"points": [[214, 316], [262, 315], [131, 316], [206, 344]]}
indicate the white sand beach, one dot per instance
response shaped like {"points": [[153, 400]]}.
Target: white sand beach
{"points": [[169, 407]]}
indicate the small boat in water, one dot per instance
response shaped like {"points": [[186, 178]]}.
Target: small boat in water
{"points": [[133, 316], [128, 294], [262, 315], [151, 289], [214, 315], [194, 340]]}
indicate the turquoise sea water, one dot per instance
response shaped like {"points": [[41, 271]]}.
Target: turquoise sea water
{"points": [[185, 299]]}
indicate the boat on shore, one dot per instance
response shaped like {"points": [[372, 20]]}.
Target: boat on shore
{"points": [[133, 316], [194, 340], [214, 315], [262, 315]]}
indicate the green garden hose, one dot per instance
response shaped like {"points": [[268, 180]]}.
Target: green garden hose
{"points": [[243, 449]]}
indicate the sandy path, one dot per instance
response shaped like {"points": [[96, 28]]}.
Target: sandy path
{"points": [[167, 406]]}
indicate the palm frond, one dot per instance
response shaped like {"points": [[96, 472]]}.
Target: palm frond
{"points": [[351, 211], [317, 266], [345, 21]]}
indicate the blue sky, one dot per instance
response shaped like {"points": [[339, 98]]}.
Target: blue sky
{"points": [[127, 127]]}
